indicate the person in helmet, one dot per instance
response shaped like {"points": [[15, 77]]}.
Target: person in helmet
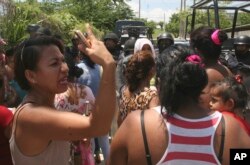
{"points": [[241, 47], [129, 46], [111, 42], [128, 52], [164, 40], [31, 29]]}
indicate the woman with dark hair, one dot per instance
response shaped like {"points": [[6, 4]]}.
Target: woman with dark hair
{"points": [[137, 93], [180, 131], [40, 132], [207, 41]]}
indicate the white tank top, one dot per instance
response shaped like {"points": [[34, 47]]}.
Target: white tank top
{"points": [[57, 152]]}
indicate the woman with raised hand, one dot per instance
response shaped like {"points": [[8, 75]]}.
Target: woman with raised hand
{"points": [[41, 133], [180, 131]]}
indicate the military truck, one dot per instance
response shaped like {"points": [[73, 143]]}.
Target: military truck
{"points": [[130, 28]]}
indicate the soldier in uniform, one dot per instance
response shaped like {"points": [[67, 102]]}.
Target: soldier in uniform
{"points": [[111, 42], [164, 40]]}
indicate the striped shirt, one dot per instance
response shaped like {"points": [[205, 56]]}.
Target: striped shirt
{"points": [[191, 140]]}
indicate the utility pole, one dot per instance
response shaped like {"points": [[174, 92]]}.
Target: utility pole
{"points": [[139, 8], [182, 21], [164, 19]]}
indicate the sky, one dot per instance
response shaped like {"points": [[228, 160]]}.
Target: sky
{"points": [[156, 10]]}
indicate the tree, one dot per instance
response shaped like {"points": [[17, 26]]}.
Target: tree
{"points": [[102, 13], [151, 27], [61, 17], [16, 19], [161, 23]]}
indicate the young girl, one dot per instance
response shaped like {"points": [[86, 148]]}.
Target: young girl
{"points": [[230, 96]]}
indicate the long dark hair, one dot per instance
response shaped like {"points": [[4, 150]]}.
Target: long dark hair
{"points": [[182, 82]]}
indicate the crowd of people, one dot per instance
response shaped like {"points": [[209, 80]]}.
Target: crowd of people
{"points": [[178, 105]]}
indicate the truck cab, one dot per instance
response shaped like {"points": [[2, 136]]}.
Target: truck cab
{"points": [[130, 28]]}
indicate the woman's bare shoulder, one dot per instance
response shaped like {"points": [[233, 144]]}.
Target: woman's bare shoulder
{"points": [[130, 135], [235, 132]]}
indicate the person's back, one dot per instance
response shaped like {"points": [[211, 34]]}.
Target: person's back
{"points": [[137, 93], [158, 140], [91, 76]]}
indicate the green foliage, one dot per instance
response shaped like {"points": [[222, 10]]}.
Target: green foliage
{"points": [[151, 27], [243, 18], [201, 19], [174, 24], [101, 13], [62, 17], [61, 23], [15, 21], [161, 23]]}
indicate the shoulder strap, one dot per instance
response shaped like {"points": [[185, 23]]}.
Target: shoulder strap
{"points": [[148, 156], [16, 114], [222, 139]]}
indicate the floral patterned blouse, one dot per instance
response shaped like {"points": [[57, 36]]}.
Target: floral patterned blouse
{"points": [[76, 99]]}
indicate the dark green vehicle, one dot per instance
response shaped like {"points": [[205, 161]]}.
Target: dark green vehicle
{"points": [[130, 28]]}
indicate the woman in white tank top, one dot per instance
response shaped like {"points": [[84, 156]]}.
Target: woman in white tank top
{"points": [[40, 132]]}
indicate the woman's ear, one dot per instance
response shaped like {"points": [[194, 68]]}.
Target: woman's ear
{"points": [[230, 104], [31, 76]]}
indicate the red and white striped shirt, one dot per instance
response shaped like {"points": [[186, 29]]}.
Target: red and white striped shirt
{"points": [[191, 140]]}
